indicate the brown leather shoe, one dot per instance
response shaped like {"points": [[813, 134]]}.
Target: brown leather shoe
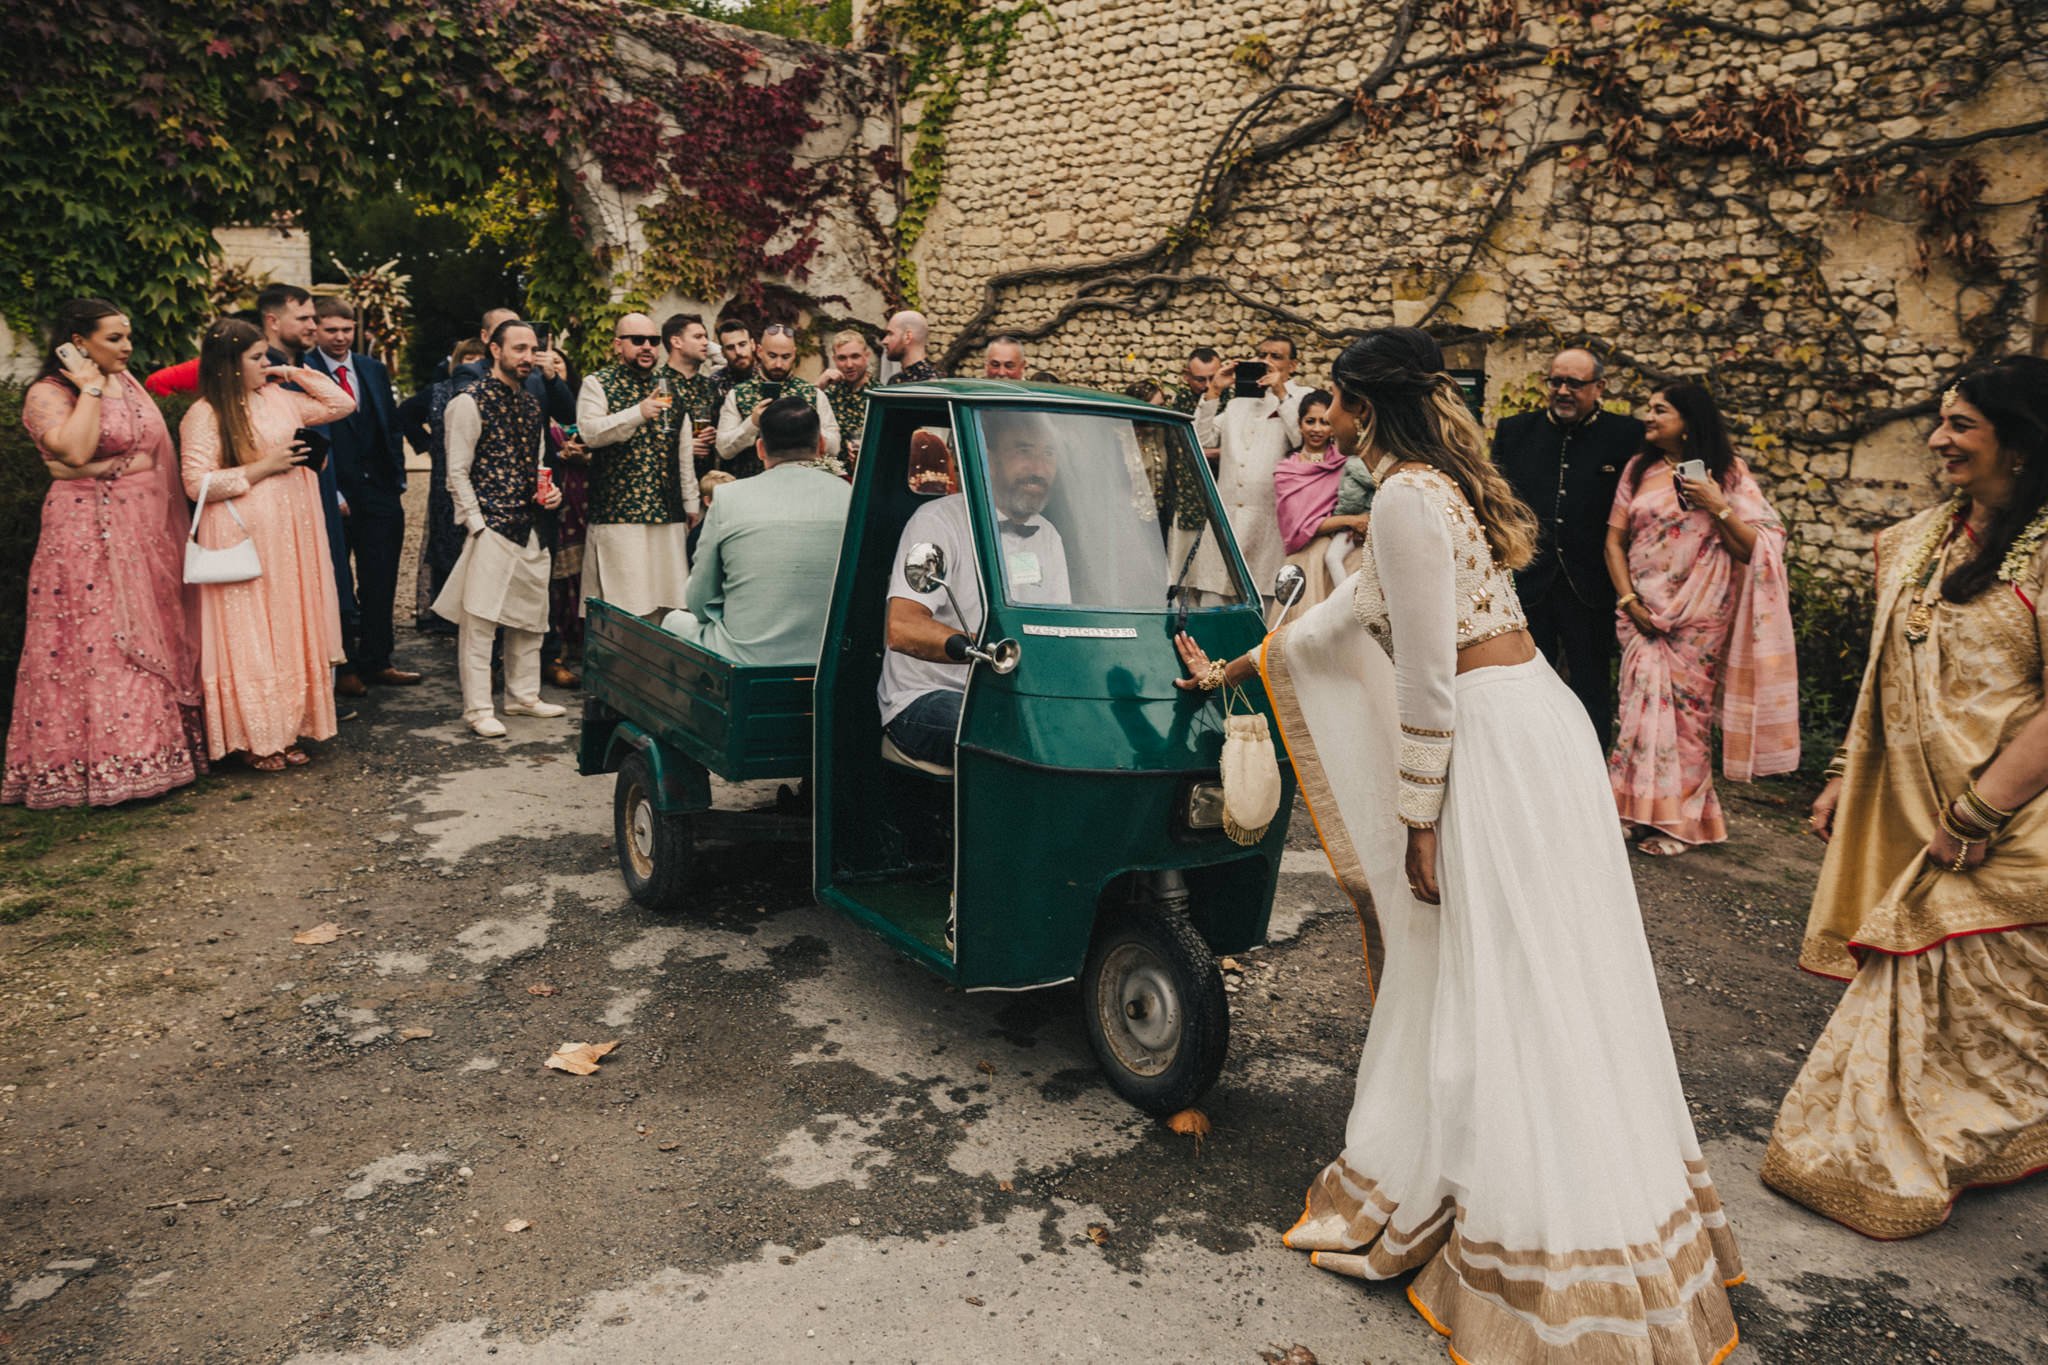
{"points": [[349, 685], [396, 677], [559, 675]]}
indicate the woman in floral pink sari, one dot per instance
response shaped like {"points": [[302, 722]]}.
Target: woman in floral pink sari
{"points": [[106, 702], [1705, 624]]}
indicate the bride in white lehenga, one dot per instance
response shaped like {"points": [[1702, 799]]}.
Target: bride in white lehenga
{"points": [[1519, 1132]]}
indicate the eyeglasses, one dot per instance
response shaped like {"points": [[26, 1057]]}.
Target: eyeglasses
{"points": [[1559, 381], [778, 329], [638, 340]]}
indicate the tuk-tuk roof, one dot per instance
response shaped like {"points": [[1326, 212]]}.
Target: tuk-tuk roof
{"points": [[1000, 392]]}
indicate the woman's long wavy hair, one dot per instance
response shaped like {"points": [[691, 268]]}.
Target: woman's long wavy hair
{"points": [[1413, 410], [1705, 438], [78, 318], [2013, 396], [220, 384]]}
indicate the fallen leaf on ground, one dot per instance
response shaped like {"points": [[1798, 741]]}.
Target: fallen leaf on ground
{"points": [[1191, 1123], [1231, 964], [1006, 1187], [974, 1302], [1296, 1354], [986, 1068], [666, 1146], [319, 933], [1098, 1234], [408, 1035], [519, 1225], [540, 989], [579, 1059]]}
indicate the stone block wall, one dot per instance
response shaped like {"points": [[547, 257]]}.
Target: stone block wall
{"points": [[1736, 191]]}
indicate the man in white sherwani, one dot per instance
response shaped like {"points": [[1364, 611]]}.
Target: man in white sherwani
{"points": [[1254, 434]]}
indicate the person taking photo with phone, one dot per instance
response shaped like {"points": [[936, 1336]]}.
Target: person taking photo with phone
{"points": [[1252, 416], [106, 700], [739, 420], [1697, 559], [269, 644]]}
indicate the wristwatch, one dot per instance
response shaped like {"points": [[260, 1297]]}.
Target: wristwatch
{"points": [[93, 390]]}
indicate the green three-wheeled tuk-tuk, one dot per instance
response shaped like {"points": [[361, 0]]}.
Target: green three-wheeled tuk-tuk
{"points": [[1077, 831]]}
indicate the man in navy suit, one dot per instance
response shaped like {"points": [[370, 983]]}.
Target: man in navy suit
{"points": [[368, 457]]}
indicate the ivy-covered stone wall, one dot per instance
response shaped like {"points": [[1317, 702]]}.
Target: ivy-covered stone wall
{"points": [[1825, 209]]}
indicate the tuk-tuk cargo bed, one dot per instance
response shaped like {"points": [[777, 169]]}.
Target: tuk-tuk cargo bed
{"points": [[744, 722]]}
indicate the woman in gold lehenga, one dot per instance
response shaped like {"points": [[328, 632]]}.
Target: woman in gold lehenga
{"points": [[1932, 1076]]}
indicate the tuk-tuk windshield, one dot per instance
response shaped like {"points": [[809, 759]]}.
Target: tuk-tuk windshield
{"points": [[1104, 512]]}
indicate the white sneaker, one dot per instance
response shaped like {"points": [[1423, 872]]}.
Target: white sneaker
{"points": [[546, 710], [487, 726]]}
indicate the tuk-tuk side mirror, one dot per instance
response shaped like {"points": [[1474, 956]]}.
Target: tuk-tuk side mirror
{"points": [[924, 568], [1289, 584]]}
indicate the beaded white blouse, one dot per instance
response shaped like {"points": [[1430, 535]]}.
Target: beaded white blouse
{"points": [[1449, 593]]}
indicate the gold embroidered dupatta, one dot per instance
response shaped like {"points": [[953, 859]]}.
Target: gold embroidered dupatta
{"points": [[1929, 719]]}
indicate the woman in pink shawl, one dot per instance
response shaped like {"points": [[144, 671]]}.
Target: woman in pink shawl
{"points": [[1705, 622], [106, 701], [1305, 489]]}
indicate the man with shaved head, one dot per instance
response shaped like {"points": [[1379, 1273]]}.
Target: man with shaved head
{"points": [[643, 481], [904, 343], [1564, 461], [1004, 359]]}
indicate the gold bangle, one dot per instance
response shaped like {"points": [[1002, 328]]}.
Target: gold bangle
{"points": [[1212, 676], [1976, 802], [1724, 514], [1621, 603], [1960, 829]]}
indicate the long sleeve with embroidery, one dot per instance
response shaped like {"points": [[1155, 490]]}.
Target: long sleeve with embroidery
{"points": [[318, 399], [1411, 546], [461, 424], [597, 424]]}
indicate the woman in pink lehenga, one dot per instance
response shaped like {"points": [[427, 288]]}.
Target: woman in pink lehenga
{"points": [[268, 646], [106, 703], [1704, 620]]}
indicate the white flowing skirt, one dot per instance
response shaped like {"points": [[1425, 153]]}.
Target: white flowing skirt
{"points": [[1519, 1132]]}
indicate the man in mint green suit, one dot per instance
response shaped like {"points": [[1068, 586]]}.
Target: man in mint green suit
{"points": [[761, 581]]}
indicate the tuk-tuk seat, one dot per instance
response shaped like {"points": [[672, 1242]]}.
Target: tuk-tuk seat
{"points": [[892, 754]]}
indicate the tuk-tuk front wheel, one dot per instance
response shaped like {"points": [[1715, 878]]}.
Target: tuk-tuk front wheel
{"points": [[1155, 1009], [655, 850]]}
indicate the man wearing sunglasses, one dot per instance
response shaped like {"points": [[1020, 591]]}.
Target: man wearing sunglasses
{"points": [[643, 479], [1564, 461]]}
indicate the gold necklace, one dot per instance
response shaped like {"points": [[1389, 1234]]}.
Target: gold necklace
{"points": [[1926, 566]]}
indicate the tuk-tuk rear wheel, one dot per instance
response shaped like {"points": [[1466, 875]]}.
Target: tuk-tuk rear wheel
{"points": [[655, 850], [1155, 1010]]}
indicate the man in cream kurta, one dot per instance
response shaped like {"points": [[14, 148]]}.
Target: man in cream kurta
{"points": [[770, 544], [739, 417], [495, 435], [1254, 435], [643, 476]]}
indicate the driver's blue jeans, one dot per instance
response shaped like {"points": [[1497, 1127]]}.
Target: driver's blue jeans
{"points": [[925, 728]]}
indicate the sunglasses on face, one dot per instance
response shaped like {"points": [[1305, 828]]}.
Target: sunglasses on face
{"points": [[778, 330], [637, 340]]}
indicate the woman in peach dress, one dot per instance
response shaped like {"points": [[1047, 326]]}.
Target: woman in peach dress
{"points": [[268, 646]]}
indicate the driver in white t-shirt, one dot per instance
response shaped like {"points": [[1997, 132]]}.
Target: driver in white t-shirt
{"points": [[924, 673]]}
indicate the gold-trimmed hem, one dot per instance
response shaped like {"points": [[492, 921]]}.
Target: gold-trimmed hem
{"points": [[1887, 1217]]}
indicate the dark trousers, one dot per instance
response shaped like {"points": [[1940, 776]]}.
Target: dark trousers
{"points": [[1583, 638], [375, 530]]}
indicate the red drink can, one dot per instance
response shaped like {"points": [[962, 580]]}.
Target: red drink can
{"points": [[547, 483]]}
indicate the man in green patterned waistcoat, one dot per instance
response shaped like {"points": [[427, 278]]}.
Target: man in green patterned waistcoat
{"points": [[686, 348], [847, 391], [739, 420], [643, 478]]}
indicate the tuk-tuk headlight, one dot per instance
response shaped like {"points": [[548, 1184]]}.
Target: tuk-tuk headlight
{"points": [[1205, 806]]}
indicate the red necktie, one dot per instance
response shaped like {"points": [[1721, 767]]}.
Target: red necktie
{"points": [[341, 377]]}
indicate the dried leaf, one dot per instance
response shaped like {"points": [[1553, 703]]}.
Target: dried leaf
{"points": [[578, 1059], [539, 988], [974, 1302], [319, 933], [412, 1034], [1296, 1354], [519, 1225], [985, 1068], [1098, 1234], [666, 1146], [1006, 1187], [1231, 964], [1191, 1123]]}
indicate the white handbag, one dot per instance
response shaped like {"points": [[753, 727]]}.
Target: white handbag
{"points": [[236, 563], [1251, 776]]}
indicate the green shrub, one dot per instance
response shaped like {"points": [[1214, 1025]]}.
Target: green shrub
{"points": [[1831, 631]]}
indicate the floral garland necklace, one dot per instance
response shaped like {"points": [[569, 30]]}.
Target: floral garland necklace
{"points": [[1925, 561]]}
